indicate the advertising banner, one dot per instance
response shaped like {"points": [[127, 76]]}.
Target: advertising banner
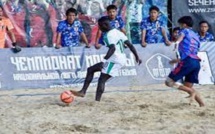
{"points": [[67, 67]]}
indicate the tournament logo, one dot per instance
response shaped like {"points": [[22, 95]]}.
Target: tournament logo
{"points": [[158, 66], [116, 24]]}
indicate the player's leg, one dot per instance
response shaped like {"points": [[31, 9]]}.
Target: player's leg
{"points": [[101, 85], [190, 69], [171, 83], [191, 78], [182, 69], [89, 77], [197, 97], [109, 70]]}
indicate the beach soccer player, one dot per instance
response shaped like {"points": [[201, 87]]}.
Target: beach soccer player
{"points": [[114, 60], [188, 62]]}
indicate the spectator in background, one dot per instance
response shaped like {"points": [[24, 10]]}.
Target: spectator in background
{"points": [[153, 30], [7, 27], [175, 34], [70, 30], [204, 35], [115, 22], [16, 12]]}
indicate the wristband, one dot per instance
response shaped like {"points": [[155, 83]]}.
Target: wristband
{"points": [[177, 42], [104, 60]]}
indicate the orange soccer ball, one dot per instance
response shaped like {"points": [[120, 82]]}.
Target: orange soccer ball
{"points": [[67, 97]]}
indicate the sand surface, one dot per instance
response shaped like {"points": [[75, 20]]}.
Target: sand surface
{"points": [[145, 110]]}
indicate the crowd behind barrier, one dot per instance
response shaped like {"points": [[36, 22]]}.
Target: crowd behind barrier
{"points": [[35, 22]]}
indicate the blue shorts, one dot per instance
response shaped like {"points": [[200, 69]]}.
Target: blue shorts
{"points": [[188, 68]]}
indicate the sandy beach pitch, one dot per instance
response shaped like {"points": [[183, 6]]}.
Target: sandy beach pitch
{"points": [[153, 109]]}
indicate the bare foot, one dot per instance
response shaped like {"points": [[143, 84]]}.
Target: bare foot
{"points": [[77, 93], [192, 97], [199, 100], [188, 96]]}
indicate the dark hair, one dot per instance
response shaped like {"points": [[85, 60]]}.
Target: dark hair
{"points": [[186, 20], [176, 29], [154, 8], [71, 10], [204, 21], [110, 7], [104, 23]]}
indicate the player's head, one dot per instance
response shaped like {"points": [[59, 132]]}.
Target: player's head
{"points": [[104, 24], [204, 26], [112, 11], [154, 12], [175, 32], [71, 14], [185, 22]]}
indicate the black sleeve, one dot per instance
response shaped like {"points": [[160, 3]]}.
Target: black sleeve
{"points": [[133, 50], [110, 52]]}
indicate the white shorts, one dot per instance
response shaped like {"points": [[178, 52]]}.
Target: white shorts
{"points": [[111, 68]]}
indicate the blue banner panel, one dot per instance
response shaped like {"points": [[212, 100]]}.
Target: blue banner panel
{"points": [[66, 67]]}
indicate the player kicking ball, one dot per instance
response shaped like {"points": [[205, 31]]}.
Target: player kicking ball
{"points": [[114, 60], [188, 66]]}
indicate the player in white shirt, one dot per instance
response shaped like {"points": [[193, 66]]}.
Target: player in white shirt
{"points": [[114, 60]]}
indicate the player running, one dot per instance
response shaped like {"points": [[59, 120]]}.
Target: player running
{"points": [[188, 61], [114, 60]]}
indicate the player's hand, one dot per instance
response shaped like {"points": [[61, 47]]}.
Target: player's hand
{"points": [[174, 61], [125, 46], [87, 46], [168, 43], [97, 46], [143, 44], [16, 48], [139, 61], [58, 46]]}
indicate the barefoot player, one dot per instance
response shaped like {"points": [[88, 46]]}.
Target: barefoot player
{"points": [[188, 61], [114, 60]]}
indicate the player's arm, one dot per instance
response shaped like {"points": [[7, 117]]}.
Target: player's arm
{"points": [[83, 35], [58, 40], [98, 36], [143, 38], [143, 28], [84, 38], [133, 50], [180, 38], [110, 52], [164, 34]]}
